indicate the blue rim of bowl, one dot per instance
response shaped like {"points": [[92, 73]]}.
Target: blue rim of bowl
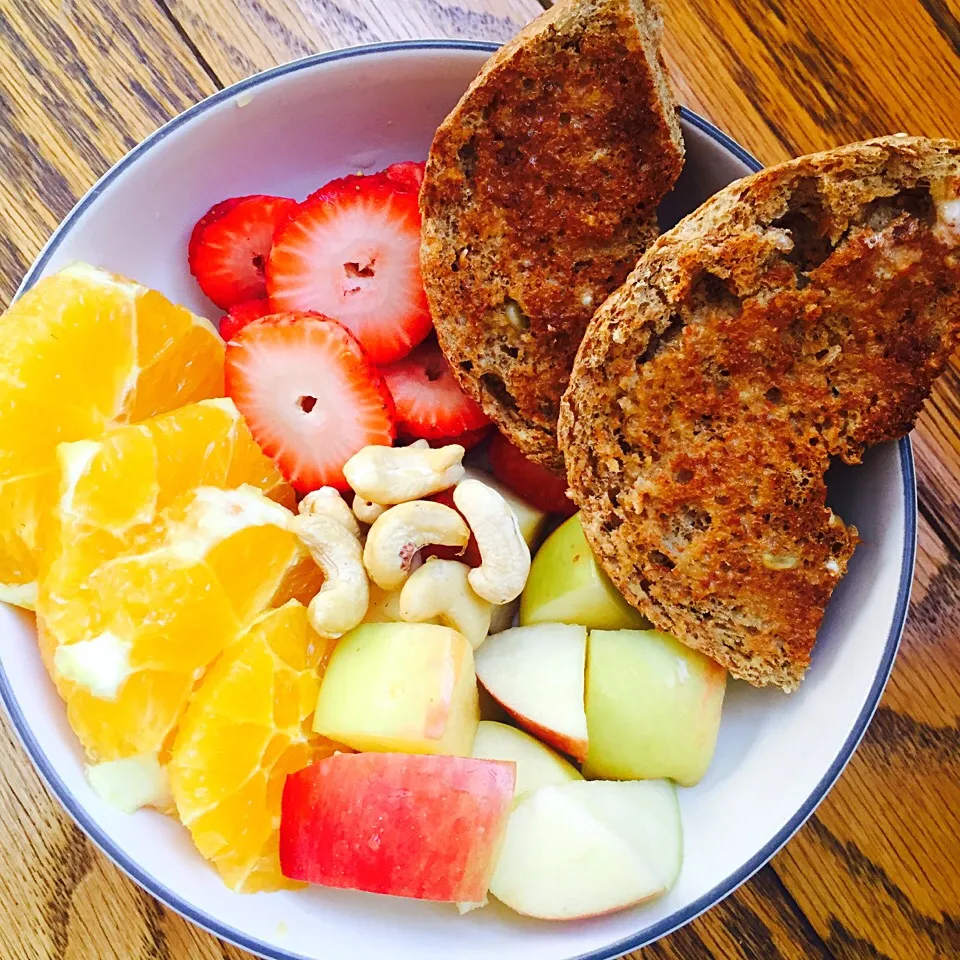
{"points": [[649, 934]]}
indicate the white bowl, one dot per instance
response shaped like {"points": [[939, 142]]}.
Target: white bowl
{"points": [[287, 131]]}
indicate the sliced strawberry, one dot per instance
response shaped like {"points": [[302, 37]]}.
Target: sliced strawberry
{"points": [[352, 252], [309, 394], [217, 211], [470, 556], [535, 484], [230, 245], [335, 188], [241, 314], [408, 174], [467, 440], [406, 177], [429, 401]]}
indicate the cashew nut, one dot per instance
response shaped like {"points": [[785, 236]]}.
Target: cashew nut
{"points": [[327, 502], [342, 601], [398, 535], [366, 511], [391, 475], [504, 554], [440, 589]]}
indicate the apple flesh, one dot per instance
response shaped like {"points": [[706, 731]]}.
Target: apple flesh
{"points": [[536, 674], [566, 585], [653, 707], [410, 826], [400, 687], [537, 765], [586, 848]]}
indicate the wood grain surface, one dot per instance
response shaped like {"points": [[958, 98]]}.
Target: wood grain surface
{"points": [[876, 872]]}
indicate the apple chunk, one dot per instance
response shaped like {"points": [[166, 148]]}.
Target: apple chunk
{"points": [[410, 826], [653, 707], [536, 674], [400, 687], [566, 585], [586, 848], [537, 765]]}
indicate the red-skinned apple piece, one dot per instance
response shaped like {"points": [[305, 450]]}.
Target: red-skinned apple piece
{"points": [[428, 827], [536, 673]]}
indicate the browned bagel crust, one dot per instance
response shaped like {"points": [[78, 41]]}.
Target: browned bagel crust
{"points": [[539, 196], [801, 313]]}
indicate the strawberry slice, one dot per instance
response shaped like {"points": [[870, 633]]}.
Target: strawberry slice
{"points": [[408, 174], [241, 314], [352, 252], [342, 185], [468, 440], [217, 211], [429, 401], [406, 177], [230, 244], [533, 483], [309, 394]]}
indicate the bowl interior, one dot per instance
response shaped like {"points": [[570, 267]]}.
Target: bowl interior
{"points": [[287, 132]]}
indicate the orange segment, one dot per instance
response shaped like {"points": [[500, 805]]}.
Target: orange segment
{"points": [[111, 483], [23, 505], [210, 444], [247, 727], [175, 378], [165, 621], [129, 640], [111, 488], [235, 533], [82, 351]]}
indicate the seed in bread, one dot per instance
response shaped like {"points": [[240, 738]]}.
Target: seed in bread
{"points": [[802, 313], [539, 196]]}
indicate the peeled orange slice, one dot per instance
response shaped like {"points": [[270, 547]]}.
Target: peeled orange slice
{"points": [[81, 351], [248, 726], [110, 490], [116, 483], [127, 644]]}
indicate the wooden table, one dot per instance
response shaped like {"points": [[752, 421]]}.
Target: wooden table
{"points": [[876, 872]]}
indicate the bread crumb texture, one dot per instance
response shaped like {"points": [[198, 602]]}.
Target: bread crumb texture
{"points": [[539, 196], [801, 314]]}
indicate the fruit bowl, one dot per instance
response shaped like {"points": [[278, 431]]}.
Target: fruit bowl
{"points": [[283, 132]]}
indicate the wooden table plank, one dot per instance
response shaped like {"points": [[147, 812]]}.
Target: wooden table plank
{"points": [[80, 84], [875, 872], [787, 78], [878, 863], [240, 37]]}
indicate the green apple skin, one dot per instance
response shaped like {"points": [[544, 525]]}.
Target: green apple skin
{"points": [[400, 688], [566, 585], [653, 707]]}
